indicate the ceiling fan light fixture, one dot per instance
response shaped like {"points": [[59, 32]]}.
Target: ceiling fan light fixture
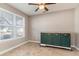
{"points": [[41, 7]]}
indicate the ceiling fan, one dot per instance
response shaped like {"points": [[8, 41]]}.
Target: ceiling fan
{"points": [[41, 6]]}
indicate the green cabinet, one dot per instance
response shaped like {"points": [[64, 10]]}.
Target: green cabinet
{"points": [[56, 39], [46, 38], [65, 40]]}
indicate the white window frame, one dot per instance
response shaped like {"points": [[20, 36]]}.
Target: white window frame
{"points": [[5, 10]]}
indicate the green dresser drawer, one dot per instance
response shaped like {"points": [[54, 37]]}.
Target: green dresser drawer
{"points": [[45, 38], [65, 40], [55, 39]]}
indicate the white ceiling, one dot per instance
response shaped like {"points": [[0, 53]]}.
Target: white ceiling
{"points": [[29, 9]]}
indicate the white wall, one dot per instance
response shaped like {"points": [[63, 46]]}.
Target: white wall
{"points": [[77, 25], [62, 21], [6, 44]]}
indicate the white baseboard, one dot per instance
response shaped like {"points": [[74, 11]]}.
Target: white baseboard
{"points": [[34, 41], [75, 47], [13, 47]]}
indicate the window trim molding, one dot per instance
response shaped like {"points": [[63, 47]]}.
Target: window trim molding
{"points": [[3, 9]]}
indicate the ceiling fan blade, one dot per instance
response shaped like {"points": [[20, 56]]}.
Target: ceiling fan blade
{"points": [[36, 9], [32, 4], [49, 3], [46, 8]]}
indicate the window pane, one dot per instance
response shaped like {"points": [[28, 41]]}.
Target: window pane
{"points": [[0, 13], [11, 26], [0, 36], [0, 33], [19, 32], [19, 21], [6, 18], [3, 21], [6, 32]]}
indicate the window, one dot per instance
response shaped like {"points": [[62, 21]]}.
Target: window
{"points": [[11, 25], [6, 32], [19, 26], [19, 31]]}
